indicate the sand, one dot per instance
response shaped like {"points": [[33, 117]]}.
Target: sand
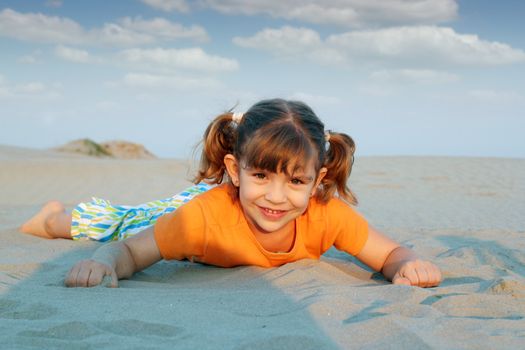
{"points": [[465, 214]]}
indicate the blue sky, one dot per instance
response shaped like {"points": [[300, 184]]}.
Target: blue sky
{"points": [[402, 77]]}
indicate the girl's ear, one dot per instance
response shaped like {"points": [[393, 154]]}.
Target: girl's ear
{"points": [[320, 177], [232, 167]]}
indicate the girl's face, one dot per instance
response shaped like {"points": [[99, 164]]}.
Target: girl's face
{"points": [[271, 201]]}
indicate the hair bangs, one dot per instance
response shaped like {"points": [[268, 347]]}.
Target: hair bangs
{"points": [[279, 148]]}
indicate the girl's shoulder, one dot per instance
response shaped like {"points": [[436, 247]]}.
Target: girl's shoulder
{"points": [[204, 209], [219, 194], [335, 207], [217, 202], [334, 202]]}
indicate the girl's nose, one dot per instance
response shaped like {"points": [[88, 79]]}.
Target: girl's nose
{"points": [[276, 193]]}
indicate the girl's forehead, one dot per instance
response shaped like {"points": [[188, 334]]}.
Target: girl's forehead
{"points": [[292, 167]]}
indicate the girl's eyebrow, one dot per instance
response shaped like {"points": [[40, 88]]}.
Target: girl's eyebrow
{"points": [[251, 168], [303, 177], [300, 175]]}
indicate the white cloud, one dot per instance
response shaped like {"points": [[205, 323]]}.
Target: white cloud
{"points": [[31, 90], [415, 76], [495, 96], [376, 90], [54, 3], [75, 55], [314, 99], [107, 106], [425, 43], [162, 28], [28, 59], [116, 34], [284, 41], [418, 46], [34, 87], [40, 28], [292, 43], [152, 81], [192, 58], [344, 13], [36, 27], [168, 5]]}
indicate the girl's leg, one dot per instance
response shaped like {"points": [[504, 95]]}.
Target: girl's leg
{"points": [[51, 221], [98, 220]]}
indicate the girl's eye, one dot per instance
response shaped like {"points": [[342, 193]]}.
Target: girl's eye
{"points": [[259, 176], [297, 181]]}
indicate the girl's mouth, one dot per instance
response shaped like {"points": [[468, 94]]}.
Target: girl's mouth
{"points": [[272, 214]]}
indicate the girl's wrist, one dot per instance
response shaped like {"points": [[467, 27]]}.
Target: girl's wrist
{"points": [[107, 254], [395, 261]]}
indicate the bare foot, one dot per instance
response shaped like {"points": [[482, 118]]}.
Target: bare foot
{"points": [[37, 226]]}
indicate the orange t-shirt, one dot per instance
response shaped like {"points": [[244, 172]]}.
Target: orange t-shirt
{"points": [[212, 229]]}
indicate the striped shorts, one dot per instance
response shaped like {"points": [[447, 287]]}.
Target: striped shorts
{"points": [[101, 221]]}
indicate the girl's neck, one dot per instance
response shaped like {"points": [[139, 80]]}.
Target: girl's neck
{"points": [[280, 241]]}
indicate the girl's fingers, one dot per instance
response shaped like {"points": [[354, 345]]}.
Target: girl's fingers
{"points": [[114, 279], [409, 271], [83, 276], [77, 275], [431, 272], [109, 278], [95, 277], [101, 274], [71, 279], [435, 276], [398, 279], [422, 273], [89, 273], [418, 273]]}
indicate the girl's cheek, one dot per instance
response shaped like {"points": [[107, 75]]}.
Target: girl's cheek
{"points": [[303, 200]]}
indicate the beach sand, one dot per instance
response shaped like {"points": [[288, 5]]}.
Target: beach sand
{"points": [[465, 214]]}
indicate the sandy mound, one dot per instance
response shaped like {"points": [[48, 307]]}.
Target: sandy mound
{"points": [[126, 150], [84, 146], [116, 149]]}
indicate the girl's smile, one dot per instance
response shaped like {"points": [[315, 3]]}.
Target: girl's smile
{"points": [[272, 214]]}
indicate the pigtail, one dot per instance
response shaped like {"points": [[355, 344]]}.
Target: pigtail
{"points": [[218, 140], [339, 161]]}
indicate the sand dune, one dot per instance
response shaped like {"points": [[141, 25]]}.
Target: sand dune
{"points": [[466, 214], [115, 149]]}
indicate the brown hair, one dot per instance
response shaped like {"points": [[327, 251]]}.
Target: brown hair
{"points": [[279, 136]]}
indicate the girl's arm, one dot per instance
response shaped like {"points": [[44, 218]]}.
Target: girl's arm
{"points": [[116, 259], [398, 264]]}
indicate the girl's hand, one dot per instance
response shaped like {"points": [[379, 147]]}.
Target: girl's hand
{"points": [[116, 260], [90, 273], [398, 264], [419, 273]]}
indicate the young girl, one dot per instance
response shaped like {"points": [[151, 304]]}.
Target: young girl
{"points": [[277, 173]]}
